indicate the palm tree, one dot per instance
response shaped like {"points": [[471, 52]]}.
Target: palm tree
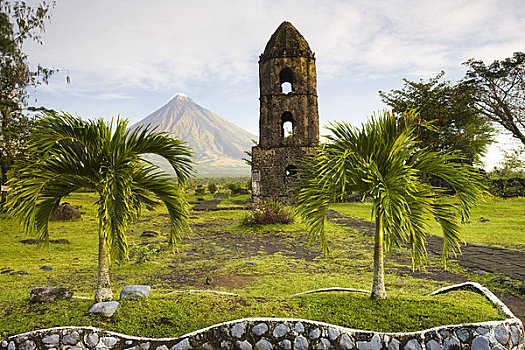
{"points": [[69, 154], [383, 161]]}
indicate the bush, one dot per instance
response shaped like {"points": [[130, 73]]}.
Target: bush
{"points": [[232, 186], [199, 190], [507, 188], [268, 212], [212, 187]]}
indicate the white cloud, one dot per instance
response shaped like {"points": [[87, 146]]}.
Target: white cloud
{"points": [[172, 44]]}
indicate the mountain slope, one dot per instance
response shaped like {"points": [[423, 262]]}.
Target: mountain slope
{"points": [[217, 144]]}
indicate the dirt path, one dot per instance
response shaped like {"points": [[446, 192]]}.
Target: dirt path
{"points": [[477, 258]]}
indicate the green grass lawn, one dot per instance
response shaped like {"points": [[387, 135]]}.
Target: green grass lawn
{"points": [[264, 264], [496, 222]]}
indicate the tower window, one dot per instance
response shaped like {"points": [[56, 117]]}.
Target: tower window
{"points": [[286, 88], [287, 124], [286, 80], [291, 170]]}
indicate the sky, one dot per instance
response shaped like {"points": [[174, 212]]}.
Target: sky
{"points": [[129, 57]]}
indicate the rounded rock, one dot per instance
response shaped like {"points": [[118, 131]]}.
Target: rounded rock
{"points": [[285, 344], [333, 333], [263, 344], [162, 347], [394, 344], [433, 345], [480, 343], [27, 345], [501, 334], [300, 343], [462, 334], [92, 340], [299, 328], [133, 292], [514, 335], [109, 342], [71, 338], [182, 345], [346, 342], [314, 333], [3, 343], [374, 343], [46, 294], [280, 330], [412, 344], [243, 345], [482, 330], [260, 329], [51, 340], [450, 342], [11, 345], [324, 344], [105, 308], [237, 330]]}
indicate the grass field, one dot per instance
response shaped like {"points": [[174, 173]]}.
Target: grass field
{"points": [[264, 264], [495, 222]]}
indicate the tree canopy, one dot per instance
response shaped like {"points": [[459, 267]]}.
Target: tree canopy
{"points": [[450, 109], [68, 154], [384, 160], [19, 23], [500, 91]]}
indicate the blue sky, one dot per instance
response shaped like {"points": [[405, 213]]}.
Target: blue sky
{"points": [[130, 57]]}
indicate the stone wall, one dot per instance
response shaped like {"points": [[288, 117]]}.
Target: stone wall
{"points": [[268, 333], [272, 165]]}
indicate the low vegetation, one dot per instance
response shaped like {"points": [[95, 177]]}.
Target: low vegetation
{"points": [[266, 212], [264, 264]]}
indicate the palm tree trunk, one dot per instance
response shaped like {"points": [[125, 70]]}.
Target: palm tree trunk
{"points": [[103, 292], [378, 285]]}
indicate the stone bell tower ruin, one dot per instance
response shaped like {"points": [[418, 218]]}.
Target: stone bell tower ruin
{"points": [[289, 119]]}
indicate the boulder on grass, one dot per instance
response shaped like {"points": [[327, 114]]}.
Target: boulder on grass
{"points": [[66, 212], [133, 292], [45, 294], [105, 308]]}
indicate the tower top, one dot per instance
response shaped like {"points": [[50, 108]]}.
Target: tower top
{"points": [[286, 41]]}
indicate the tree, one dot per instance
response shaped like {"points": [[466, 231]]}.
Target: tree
{"points": [[384, 161], [69, 154], [500, 91], [450, 108], [212, 187], [18, 24]]}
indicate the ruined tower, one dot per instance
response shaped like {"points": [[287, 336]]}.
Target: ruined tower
{"points": [[289, 119]]}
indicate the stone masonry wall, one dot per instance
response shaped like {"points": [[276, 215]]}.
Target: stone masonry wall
{"points": [[267, 333], [272, 164]]}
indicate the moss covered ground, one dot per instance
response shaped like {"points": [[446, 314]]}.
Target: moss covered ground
{"points": [[263, 264]]}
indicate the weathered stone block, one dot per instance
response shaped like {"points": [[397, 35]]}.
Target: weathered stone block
{"points": [[260, 329], [105, 308], [134, 292], [45, 294]]}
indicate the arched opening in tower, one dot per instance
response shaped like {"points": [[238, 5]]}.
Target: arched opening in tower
{"points": [[286, 79], [287, 124]]}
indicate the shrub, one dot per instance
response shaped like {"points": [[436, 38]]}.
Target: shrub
{"points": [[268, 212], [212, 187], [232, 186], [199, 190]]}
